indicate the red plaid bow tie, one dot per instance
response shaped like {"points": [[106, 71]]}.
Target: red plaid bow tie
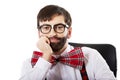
{"points": [[74, 58]]}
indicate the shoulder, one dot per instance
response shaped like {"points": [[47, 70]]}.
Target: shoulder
{"points": [[89, 51], [91, 54], [85, 49]]}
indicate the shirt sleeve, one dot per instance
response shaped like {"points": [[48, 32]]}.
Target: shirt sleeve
{"points": [[97, 65], [38, 72], [102, 70]]}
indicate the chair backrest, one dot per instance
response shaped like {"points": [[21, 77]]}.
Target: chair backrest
{"points": [[108, 52]]}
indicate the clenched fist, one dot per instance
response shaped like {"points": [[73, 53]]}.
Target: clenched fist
{"points": [[44, 45]]}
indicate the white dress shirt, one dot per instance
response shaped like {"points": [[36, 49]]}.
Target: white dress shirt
{"points": [[96, 68]]}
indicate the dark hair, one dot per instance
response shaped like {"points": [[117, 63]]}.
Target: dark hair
{"points": [[49, 11]]}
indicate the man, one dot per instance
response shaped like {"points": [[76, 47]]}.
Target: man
{"points": [[54, 28]]}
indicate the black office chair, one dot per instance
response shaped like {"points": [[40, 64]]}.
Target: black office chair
{"points": [[108, 52]]}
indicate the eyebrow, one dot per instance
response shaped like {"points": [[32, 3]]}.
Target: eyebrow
{"points": [[54, 24]]}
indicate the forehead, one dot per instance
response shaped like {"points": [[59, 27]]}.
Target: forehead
{"points": [[54, 20]]}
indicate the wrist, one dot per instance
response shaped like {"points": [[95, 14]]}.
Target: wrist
{"points": [[47, 57]]}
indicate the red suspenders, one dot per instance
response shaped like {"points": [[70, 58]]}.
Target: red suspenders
{"points": [[84, 73]]}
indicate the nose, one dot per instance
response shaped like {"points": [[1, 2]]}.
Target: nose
{"points": [[52, 33]]}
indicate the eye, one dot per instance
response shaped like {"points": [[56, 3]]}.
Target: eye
{"points": [[46, 27], [60, 27]]}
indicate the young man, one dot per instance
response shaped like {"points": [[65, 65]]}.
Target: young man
{"points": [[54, 59]]}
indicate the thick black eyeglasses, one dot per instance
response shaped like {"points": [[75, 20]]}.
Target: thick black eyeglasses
{"points": [[58, 28]]}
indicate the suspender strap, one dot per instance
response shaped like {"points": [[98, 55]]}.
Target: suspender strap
{"points": [[84, 73]]}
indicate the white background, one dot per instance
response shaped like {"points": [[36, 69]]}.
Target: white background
{"points": [[94, 21]]}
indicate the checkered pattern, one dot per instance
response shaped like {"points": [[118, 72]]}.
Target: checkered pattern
{"points": [[74, 58], [35, 57], [84, 73]]}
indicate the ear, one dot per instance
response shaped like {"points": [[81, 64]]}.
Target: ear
{"points": [[69, 32]]}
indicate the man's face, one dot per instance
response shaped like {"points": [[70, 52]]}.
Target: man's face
{"points": [[57, 40]]}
